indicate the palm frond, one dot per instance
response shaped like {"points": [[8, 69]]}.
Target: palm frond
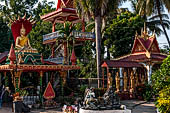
{"points": [[164, 16]]}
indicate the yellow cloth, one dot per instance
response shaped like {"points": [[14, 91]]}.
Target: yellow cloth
{"points": [[23, 41]]}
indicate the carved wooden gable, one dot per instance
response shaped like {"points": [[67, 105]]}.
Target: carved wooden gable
{"points": [[154, 47], [138, 47], [67, 3]]}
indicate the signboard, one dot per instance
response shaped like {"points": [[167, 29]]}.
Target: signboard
{"points": [[58, 60], [51, 37], [79, 34]]}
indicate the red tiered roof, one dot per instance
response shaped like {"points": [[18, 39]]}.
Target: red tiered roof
{"points": [[64, 12], [143, 45], [62, 15], [118, 64], [145, 49]]}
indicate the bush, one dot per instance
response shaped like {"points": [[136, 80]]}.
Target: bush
{"points": [[145, 91], [161, 86], [163, 102], [148, 92]]}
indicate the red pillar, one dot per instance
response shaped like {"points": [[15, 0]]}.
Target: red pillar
{"points": [[53, 27], [52, 50], [83, 25], [103, 76]]}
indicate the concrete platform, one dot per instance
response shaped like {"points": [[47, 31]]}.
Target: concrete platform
{"points": [[104, 111]]}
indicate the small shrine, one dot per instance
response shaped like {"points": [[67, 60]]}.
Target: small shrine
{"points": [[23, 60], [132, 70], [65, 12], [26, 62]]}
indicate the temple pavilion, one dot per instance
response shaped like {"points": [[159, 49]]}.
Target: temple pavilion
{"points": [[134, 69], [23, 60]]}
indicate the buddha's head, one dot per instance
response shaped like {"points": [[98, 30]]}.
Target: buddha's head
{"points": [[22, 30]]}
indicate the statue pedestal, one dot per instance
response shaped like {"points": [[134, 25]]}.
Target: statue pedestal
{"points": [[104, 111]]}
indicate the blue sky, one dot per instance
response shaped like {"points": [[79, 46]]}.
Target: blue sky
{"points": [[161, 39]]}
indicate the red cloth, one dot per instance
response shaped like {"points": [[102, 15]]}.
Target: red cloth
{"points": [[17, 25]]}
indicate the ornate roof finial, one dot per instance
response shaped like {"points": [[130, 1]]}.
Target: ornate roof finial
{"points": [[136, 34], [12, 55], [73, 58], [142, 31], [153, 34], [145, 30]]}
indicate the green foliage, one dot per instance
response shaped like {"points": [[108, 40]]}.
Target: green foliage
{"points": [[5, 35], [145, 91], [148, 92], [165, 49], [86, 61], [161, 85], [161, 77], [36, 37], [41, 28], [23, 92], [67, 31], [15, 8], [82, 88], [120, 33], [43, 8], [163, 102]]}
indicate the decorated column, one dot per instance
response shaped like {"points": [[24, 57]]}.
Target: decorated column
{"points": [[63, 75], [16, 79], [132, 82], [149, 72], [121, 77], [41, 75]]}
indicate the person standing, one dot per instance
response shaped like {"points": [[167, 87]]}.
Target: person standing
{"points": [[1, 95]]}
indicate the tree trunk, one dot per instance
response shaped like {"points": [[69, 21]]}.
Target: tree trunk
{"points": [[98, 45], [160, 16]]}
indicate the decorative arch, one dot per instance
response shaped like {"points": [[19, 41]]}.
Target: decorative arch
{"points": [[31, 58]]}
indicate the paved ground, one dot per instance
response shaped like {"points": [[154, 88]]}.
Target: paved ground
{"points": [[140, 106], [135, 105]]}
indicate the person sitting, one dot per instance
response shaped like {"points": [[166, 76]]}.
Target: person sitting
{"points": [[22, 41]]}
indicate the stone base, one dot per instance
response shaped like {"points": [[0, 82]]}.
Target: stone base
{"points": [[104, 111]]}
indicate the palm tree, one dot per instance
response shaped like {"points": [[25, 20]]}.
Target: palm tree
{"points": [[154, 23], [99, 10], [148, 7], [66, 38]]}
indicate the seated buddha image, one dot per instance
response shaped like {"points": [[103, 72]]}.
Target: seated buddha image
{"points": [[22, 41]]}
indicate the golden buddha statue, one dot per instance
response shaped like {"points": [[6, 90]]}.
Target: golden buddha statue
{"points": [[109, 81], [22, 41], [125, 81], [117, 78]]}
